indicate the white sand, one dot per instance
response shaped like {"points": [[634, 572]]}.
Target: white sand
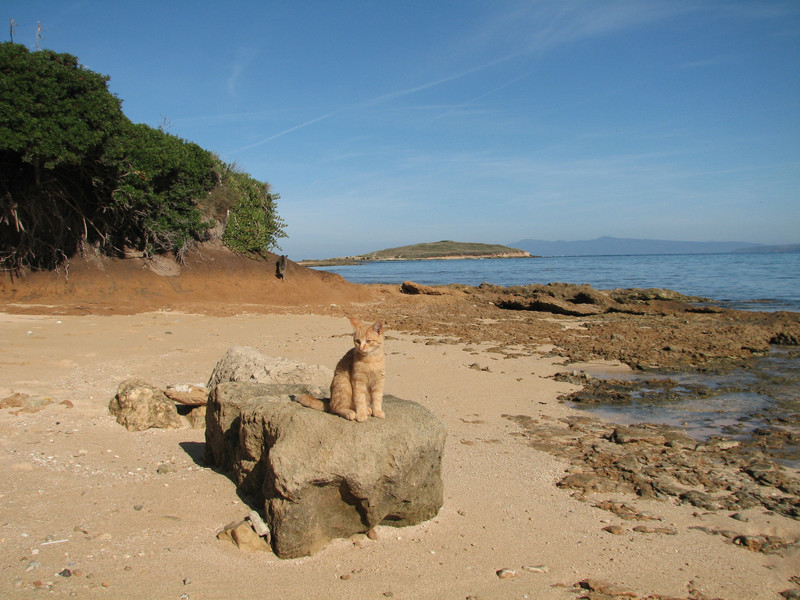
{"points": [[72, 476]]}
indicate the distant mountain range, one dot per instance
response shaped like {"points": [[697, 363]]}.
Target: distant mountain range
{"points": [[611, 245]]}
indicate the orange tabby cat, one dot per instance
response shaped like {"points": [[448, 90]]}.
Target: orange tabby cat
{"points": [[357, 386]]}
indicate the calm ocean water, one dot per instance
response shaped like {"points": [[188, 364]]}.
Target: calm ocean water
{"points": [[745, 281]]}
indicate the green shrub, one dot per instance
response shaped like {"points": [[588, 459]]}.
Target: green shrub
{"points": [[75, 170], [57, 119], [160, 180], [253, 225]]}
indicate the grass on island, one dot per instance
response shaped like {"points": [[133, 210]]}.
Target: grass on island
{"points": [[427, 251]]}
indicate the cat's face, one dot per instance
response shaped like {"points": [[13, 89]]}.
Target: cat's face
{"points": [[367, 337]]}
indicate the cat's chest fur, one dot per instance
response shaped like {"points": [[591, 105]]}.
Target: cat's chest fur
{"points": [[370, 366]]}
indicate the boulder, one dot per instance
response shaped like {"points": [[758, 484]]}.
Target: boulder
{"points": [[139, 406], [241, 363], [319, 476]]}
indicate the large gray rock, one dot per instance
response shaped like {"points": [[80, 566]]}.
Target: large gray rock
{"points": [[241, 363], [138, 406], [319, 476]]}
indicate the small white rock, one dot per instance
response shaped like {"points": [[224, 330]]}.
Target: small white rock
{"points": [[258, 523], [536, 568], [506, 573]]}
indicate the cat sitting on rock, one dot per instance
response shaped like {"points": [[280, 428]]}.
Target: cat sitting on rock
{"points": [[358, 380]]}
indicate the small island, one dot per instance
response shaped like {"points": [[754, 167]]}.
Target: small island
{"points": [[442, 250]]}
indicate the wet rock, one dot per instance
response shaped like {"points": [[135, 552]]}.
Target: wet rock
{"points": [[410, 287], [639, 434], [643, 295], [716, 444], [785, 339], [556, 306], [655, 462]]}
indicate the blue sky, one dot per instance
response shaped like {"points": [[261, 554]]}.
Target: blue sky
{"points": [[383, 123]]}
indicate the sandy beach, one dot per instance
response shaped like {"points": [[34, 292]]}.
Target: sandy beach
{"points": [[83, 494]]}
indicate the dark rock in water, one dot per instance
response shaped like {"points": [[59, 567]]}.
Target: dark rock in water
{"points": [[413, 288], [321, 477], [785, 339]]}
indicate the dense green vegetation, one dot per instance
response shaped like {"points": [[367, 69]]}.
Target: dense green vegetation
{"points": [[75, 171]]}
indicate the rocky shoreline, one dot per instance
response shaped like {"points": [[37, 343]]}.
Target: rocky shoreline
{"points": [[644, 329]]}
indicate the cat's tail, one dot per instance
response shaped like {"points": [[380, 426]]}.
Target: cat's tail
{"points": [[311, 402]]}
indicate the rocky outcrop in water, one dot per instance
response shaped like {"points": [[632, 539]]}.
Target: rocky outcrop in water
{"points": [[583, 300]]}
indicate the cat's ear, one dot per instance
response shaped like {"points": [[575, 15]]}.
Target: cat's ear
{"points": [[377, 327], [354, 323]]}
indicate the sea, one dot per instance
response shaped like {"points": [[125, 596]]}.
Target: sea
{"points": [[768, 385], [764, 282]]}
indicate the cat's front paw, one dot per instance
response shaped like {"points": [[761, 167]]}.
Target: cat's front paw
{"points": [[377, 412], [361, 416]]}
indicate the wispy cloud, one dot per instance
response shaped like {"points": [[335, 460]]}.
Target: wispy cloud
{"points": [[534, 28], [371, 102], [245, 55], [522, 31], [704, 63], [289, 130]]}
